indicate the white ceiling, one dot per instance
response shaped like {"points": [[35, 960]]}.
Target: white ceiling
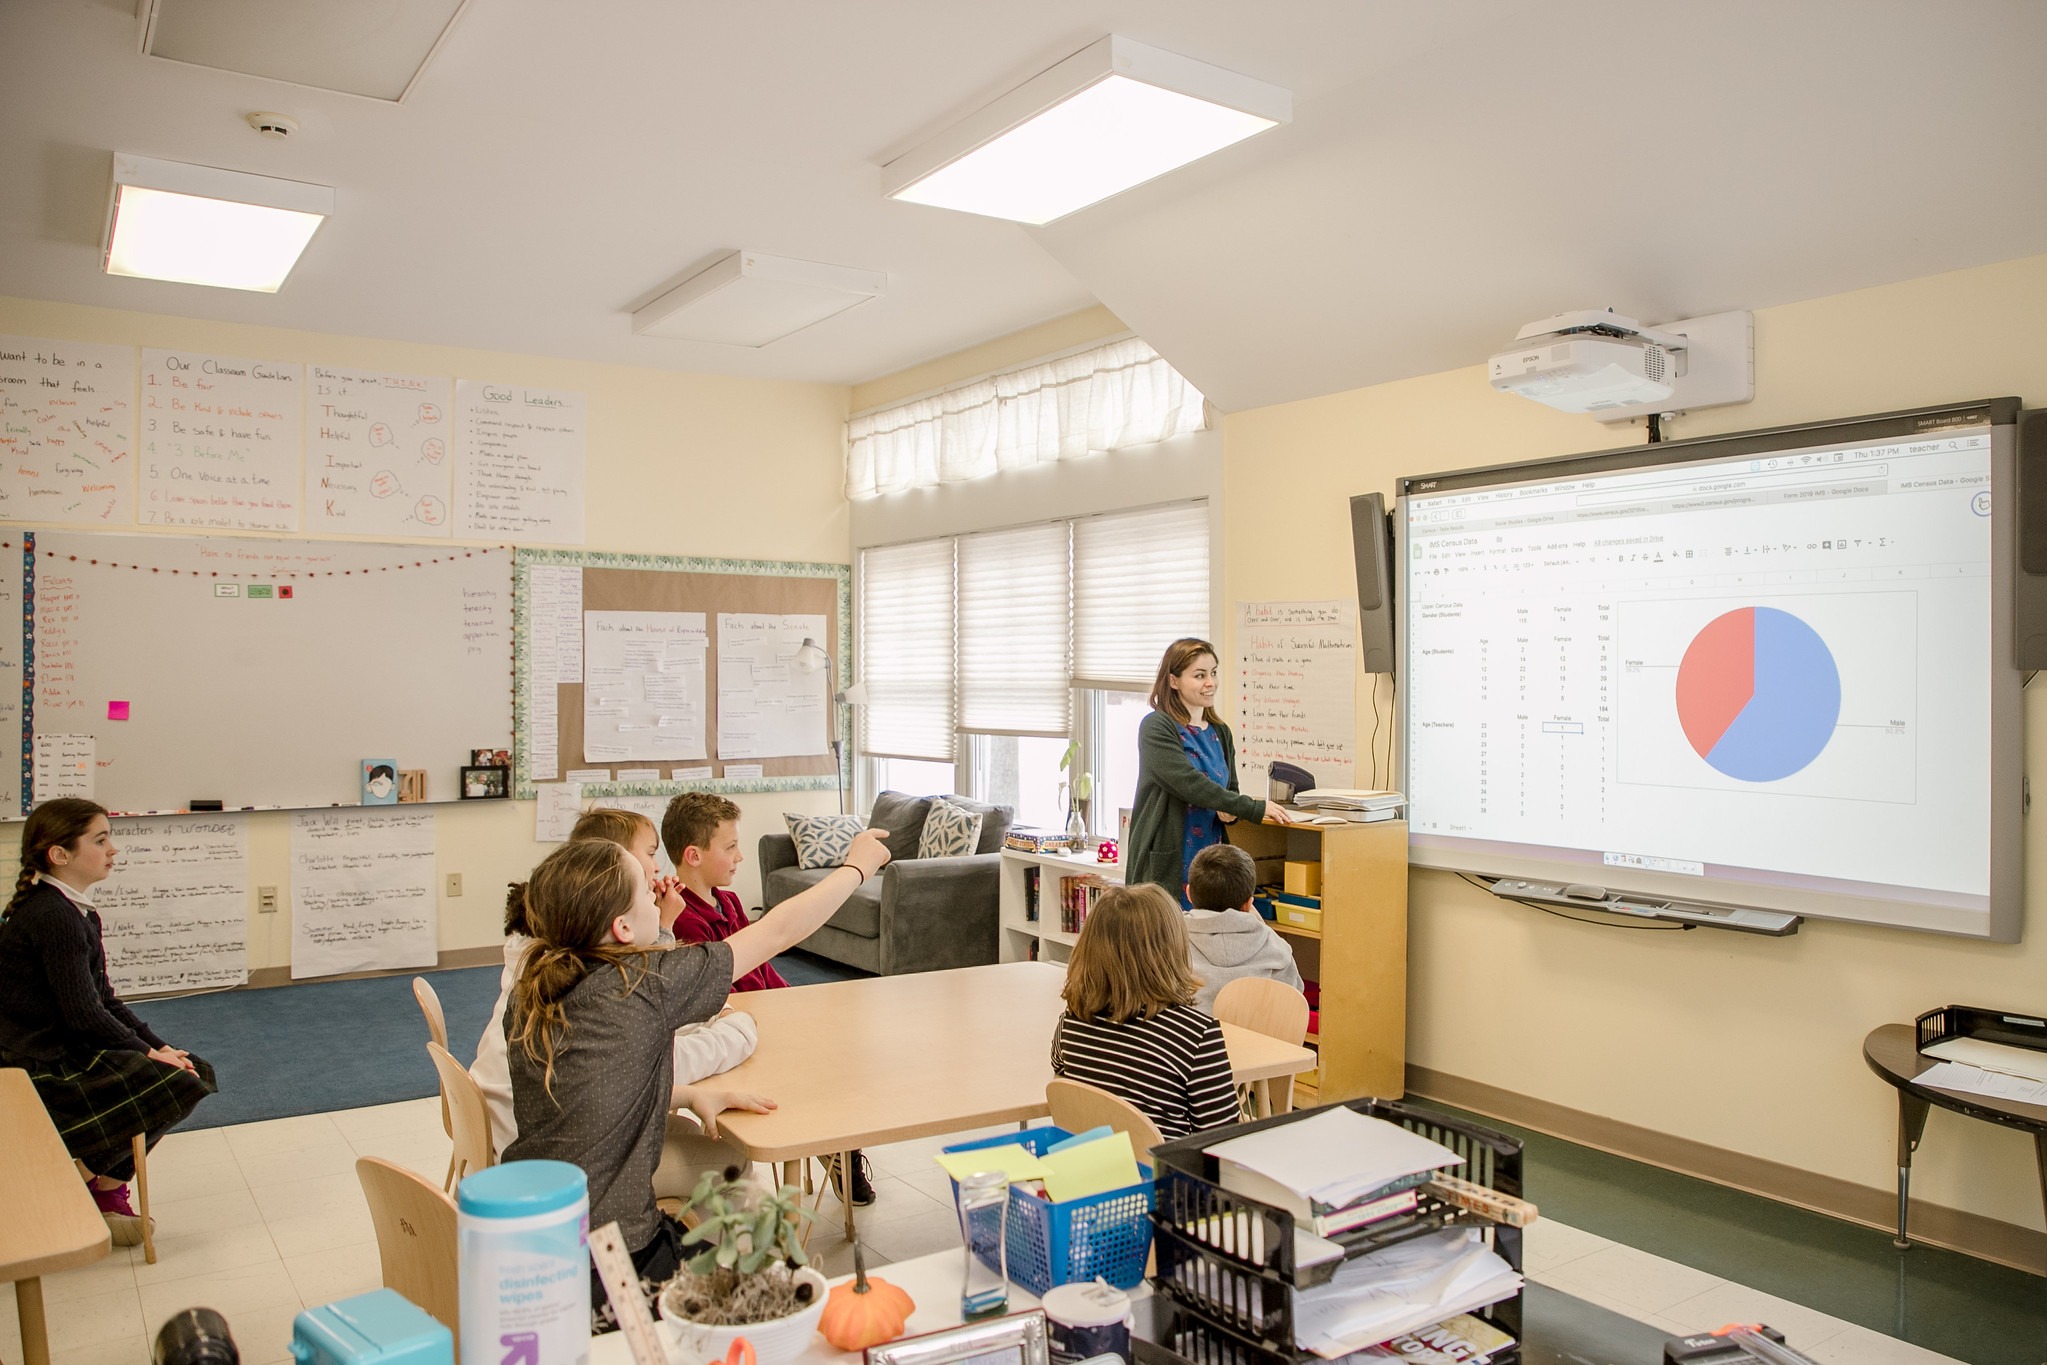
{"points": [[1454, 169]]}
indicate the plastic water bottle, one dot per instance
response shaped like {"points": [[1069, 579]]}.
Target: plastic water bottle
{"points": [[984, 1212], [523, 1237]]}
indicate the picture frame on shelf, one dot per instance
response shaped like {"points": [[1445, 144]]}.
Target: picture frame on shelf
{"points": [[486, 782]]}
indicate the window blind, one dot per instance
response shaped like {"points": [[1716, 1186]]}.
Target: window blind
{"points": [[1140, 582], [906, 650], [1014, 609]]}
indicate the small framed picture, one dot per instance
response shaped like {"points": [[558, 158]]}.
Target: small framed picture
{"points": [[491, 758], [486, 782], [1018, 1339]]}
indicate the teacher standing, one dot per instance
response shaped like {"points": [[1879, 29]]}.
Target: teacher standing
{"points": [[1186, 773]]}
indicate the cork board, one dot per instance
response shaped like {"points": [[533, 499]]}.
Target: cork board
{"points": [[676, 583]]}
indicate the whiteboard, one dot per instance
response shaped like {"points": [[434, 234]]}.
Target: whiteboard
{"points": [[261, 673]]}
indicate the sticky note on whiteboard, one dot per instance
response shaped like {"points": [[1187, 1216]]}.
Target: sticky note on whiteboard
{"points": [[117, 710]]}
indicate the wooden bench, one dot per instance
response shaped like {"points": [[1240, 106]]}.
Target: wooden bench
{"points": [[51, 1223]]}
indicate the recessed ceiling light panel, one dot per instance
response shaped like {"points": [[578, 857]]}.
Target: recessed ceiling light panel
{"points": [[1112, 116], [751, 299], [203, 225]]}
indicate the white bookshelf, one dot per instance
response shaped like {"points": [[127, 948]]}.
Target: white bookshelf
{"points": [[1020, 935]]}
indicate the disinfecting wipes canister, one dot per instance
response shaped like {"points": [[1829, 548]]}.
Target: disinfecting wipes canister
{"points": [[524, 1239]]}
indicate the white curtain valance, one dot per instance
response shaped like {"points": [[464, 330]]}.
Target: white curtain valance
{"points": [[1121, 394]]}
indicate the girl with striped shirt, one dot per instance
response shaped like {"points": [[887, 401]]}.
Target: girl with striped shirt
{"points": [[1131, 1027]]}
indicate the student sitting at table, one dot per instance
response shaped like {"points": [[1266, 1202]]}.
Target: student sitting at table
{"points": [[701, 832], [1130, 1025], [101, 1073], [701, 1050], [1228, 938], [593, 1012]]}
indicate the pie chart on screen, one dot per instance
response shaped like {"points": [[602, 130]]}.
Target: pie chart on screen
{"points": [[1758, 694]]}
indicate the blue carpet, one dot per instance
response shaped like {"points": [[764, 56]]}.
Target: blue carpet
{"points": [[319, 1046]]}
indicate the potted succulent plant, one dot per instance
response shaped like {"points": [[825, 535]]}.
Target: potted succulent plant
{"points": [[749, 1276]]}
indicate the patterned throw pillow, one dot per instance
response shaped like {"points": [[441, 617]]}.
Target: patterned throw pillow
{"points": [[949, 831], [822, 840]]}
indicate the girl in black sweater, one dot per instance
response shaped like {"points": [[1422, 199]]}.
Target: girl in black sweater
{"points": [[100, 1071]]}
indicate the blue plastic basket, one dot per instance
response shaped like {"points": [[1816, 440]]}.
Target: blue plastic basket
{"points": [[1106, 1235]]}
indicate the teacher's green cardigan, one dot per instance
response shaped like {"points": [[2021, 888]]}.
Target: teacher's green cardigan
{"points": [[1167, 784]]}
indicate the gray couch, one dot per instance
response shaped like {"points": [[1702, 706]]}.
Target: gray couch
{"points": [[920, 914]]}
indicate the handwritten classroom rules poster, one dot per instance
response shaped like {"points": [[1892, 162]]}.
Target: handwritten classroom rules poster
{"points": [[362, 891], [67, 432], [222, 441], [519, 463], [377, 453], [1296, 691], [176, 908]]}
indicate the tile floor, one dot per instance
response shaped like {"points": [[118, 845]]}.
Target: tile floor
{"points": [[260, 1220]]}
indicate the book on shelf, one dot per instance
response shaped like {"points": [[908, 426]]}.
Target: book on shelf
{"points": [[1077, 896], [1031, 895]]}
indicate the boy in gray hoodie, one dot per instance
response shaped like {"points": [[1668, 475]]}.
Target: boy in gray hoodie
{"points": [[1225, 936]]}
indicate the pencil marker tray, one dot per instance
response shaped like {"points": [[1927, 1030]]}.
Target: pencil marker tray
{"points": [[1048, 1243], [1231, 1258]]}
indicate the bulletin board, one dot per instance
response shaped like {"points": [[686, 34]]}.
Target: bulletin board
{"points": [[671, 584], [257, 672]]}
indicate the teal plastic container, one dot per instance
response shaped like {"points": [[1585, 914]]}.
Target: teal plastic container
{"points": [[382, 1327], [523, 1235]]}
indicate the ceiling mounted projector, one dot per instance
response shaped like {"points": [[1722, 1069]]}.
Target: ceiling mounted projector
{"points": [[1612, 367]]}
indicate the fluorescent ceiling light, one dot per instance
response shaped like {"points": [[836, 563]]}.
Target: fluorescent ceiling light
{"points": [[1112, 116], [751, 299], [202, 225]]}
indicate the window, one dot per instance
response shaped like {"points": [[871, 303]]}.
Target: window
{"points": [[1104, 398], [983, 654]]}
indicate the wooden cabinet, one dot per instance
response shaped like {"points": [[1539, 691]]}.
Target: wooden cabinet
{"points": [[1359, 954]]}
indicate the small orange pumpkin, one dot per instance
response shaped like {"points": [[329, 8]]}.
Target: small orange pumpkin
{"points": [[864, 1312]]}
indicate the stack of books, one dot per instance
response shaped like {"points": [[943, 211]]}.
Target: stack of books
{"points": [[1077, 896], [1024, 839]]}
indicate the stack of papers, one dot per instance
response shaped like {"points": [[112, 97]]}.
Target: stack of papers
{"points": [[1349, 798], [1336, 1158], [1409, 1285], [1078, 1168], [1976, 1067]]}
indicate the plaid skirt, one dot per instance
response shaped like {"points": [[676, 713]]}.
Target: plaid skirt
{"points": [[101, 1103]]}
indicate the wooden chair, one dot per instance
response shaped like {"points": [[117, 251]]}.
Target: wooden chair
{"points": [[415, 1238], [1078, 1106], [468, 1115], [142, 1198], [1276, 1010], [436, 1031]]}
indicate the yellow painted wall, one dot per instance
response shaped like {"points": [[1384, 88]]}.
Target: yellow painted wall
{"points": [[1004, 352], [674, 464], [1746, 1043]]}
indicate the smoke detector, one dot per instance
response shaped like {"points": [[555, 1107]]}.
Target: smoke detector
{"points": [[277, 127]]}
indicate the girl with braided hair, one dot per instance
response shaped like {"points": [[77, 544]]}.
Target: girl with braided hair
{"points": [[100, 1071], [590, 1024]]}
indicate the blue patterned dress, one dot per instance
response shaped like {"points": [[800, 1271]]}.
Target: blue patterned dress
{"points": [[1204, 827]]}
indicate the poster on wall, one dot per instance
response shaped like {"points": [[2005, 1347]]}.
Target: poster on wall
{"points": [[222, 442], [1296, 691], [67, 432], [362, 891], [377, 458], [176, 906]]}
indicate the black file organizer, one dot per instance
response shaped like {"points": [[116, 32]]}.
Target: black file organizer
{"points": [[1226, 1262]]}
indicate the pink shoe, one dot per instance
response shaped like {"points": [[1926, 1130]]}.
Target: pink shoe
{"points": [[113, 1201]]}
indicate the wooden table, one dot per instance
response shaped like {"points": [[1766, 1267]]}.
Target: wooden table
{"points": [[884, 1059], [1892, 1052], [50, 1223]]}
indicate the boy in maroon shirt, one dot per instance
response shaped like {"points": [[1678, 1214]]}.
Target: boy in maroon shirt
{"points": [[701, 833]]}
